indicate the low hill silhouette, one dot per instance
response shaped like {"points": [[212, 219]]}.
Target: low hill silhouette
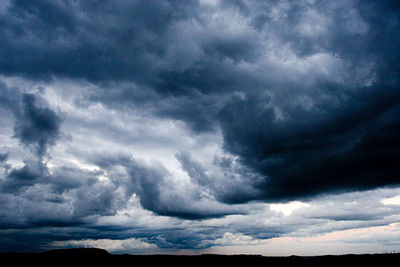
{"points": [[80, 256]]}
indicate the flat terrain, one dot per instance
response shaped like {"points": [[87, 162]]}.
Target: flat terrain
{"points": [[98, 256]]}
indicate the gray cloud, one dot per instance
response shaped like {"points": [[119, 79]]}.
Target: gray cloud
{"points": [[33, 195], [302, 94], [62, 198], [158, 193], [3, 157], [37, 126], [228, 180], [78, 35]]}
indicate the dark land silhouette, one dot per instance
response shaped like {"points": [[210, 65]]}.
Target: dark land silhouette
{"points": [[91, 256]]}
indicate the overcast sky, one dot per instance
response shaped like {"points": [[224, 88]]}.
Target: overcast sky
{"points": [[212, 126]]}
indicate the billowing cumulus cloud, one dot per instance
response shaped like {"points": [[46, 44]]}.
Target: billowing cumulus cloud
{"points": [[224, 123]]}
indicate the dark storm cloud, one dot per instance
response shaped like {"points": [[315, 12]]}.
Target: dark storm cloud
{"points": [[305, 94], [37, 126], [356, 150], [348, 139], [97, 40]]}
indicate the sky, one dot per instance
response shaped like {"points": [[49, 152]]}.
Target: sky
{"points": [[211, 126]]}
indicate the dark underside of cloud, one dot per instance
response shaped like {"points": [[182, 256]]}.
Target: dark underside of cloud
{"points": [[329, 122], [338, 150]]}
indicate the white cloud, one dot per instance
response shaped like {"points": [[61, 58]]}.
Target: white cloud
{"points": [[363, 240], [129, 245], [391, 200], [288, 208]]}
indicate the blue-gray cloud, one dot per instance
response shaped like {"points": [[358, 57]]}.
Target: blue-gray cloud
{"points": [[305, 95], [37, 126], [157, 193]]}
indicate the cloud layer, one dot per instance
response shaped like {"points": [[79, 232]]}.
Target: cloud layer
{"points": [[194, 114]]}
